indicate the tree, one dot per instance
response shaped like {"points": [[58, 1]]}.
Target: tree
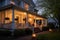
{"points": [[50, 7]]}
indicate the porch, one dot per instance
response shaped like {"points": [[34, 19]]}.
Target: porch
{"points": [[18, 19]]}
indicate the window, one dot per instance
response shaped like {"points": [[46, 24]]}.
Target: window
{"points": [[26, 6], [39, 22]]}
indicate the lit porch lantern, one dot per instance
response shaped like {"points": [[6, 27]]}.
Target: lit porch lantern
{"points": [[50, 30], [33, 35]]}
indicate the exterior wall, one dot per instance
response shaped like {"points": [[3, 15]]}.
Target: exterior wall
{"points": [[21, 4], [4, 3], [2, 18]]}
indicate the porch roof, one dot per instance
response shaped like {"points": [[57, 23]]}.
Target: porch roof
{"points": [[21, 9]]}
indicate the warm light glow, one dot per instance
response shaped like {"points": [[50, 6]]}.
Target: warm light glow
{"points": [[38, 18], [30, 15], [50, 30], [25, 13], [33, 35], [30, 19]]}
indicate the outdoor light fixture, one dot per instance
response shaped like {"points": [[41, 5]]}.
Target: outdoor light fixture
{"points": [[33, 35], [50, 30]]}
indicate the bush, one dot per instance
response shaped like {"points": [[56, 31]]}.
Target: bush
{"points": [[51, 26], [22, 32], [5, 32], [19, 32], [45, 28], [28, 31], [37, 30]]}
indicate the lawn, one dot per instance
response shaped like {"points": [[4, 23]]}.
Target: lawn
{"points": [[49, 36]]}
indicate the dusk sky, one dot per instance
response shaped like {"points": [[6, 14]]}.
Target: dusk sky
{"points": [[40, 9], [34, 1]]}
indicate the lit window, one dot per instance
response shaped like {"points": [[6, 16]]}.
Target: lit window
{"points": [[30, 19], [25, 13], [26, 6]]}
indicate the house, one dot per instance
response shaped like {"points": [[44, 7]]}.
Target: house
{"points": [[18, 14]]}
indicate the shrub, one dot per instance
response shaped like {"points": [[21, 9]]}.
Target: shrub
{"points": [[19, 32], [22, 32], [5, 32], [45, 28], [28, 31], [51, 26]]}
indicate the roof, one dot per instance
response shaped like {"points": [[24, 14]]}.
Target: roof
{"points": [[19, 8], [29, 2]]}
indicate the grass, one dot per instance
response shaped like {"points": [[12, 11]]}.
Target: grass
{"points": [[49, 36]]}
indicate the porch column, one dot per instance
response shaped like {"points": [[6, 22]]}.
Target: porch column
{"points": [[41, 25], [35, 22], [13, 23], [27, 19], [22, 22], [46, 22]]}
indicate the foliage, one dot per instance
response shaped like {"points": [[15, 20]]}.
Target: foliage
{"points": [[51, 26], [5, 32], [28, 31], [17, 32], [46, 28], [22, 32], [50, 7]]}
